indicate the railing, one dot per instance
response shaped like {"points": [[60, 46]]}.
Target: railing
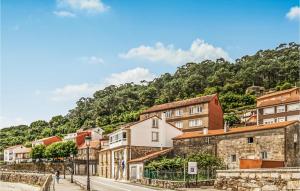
{"points": [[47, 184], [202, 174]]}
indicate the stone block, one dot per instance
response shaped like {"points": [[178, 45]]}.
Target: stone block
{"points": [[252, 175], [274, 175], [286, 176], [255, 189], [293, 185], [296, 175], [269, 188]]}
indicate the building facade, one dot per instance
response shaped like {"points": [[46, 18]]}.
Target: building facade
{"points": [[279, 106], [272, 142], [80, 166], [191, 114], [133, 141]]}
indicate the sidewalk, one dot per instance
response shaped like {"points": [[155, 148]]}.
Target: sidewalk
{"points": [[66, 185]]}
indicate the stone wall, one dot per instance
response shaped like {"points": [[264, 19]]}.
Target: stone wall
{"points": [[26, 178], [139, 151], [168, 184], [281, 144], [40, 167], [196, 145], [258, 180], [270, 141]]}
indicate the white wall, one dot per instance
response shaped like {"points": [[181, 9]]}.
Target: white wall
{"points": [[141, 133]]}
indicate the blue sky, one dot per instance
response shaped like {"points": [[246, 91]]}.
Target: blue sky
{"points": [[54, 52]]}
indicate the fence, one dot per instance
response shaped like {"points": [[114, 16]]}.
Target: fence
{"points": [[48, 184], [202, 174]]}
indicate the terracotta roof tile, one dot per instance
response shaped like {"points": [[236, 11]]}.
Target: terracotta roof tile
{"points": [[181, 103], [151, 155], [195, 134], [277, 93], [93, 144], [278, 101]]}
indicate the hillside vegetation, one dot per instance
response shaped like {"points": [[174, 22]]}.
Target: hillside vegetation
{"points": [[114, 105]]}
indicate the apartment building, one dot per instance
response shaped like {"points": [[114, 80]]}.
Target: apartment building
{"points": [[190, 115], [132, 141], [277, 143], [278, 106]]}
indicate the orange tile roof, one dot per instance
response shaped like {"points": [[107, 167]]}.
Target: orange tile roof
{"points": [[195, 134], [93, 144], [278, 101], [46, 138], [277, 93], [182, 103], [151, 155]]}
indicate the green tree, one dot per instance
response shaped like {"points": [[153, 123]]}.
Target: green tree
{"points": [[38, 152]]}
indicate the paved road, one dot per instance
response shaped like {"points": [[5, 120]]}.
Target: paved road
{"points": [[65, 185], [104, 184]]}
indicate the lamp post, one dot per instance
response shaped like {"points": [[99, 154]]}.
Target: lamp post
{"points": [[72, 167], [87, 142]]}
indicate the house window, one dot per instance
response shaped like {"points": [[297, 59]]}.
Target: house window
{"points": [[295, 137], [233, 158], [124, 135], [293, 107], [154, 123], [280, 119], [293, 118], [195, 122], [178, 124], [250, 140], [168, 114], [155, 137], [269, 110], [178, 112], [264, 155], [195, 109], [269, 121], [280, 109]]}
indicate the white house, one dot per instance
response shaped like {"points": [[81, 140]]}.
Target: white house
{"points": [[137, 139], [10, 153]]}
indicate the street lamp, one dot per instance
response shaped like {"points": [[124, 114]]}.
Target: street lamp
{"points": [[72, 167], [87, 142]]}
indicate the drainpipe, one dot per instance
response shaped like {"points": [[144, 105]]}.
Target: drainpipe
{"points": [[285, 142]]}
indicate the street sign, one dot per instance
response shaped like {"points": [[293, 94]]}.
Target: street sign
{"points": [[192, 168]]}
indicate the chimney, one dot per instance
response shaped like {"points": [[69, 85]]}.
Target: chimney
{"points": [[225, 127], [205, 131]]}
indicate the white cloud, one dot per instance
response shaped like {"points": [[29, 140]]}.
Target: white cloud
{"points": [[7, 122], [92, 60], [135, 75], [64, 14], [89, 6], [198, 52], [294, 13], [74, 92]]}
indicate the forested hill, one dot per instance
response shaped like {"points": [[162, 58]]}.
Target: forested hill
{"points": [[276, 68]]}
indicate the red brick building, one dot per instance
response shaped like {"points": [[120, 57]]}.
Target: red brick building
{"points": [[191, 114]]}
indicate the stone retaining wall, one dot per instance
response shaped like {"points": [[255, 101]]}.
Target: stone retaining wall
{"points": [[26, 178], [169, 184], [39, 167], [258, 180]]}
